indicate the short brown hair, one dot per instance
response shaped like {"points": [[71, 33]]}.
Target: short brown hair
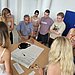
{"points": [[47, 11], [61, 14], [25, 16]]}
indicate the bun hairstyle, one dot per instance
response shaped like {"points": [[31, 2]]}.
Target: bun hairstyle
{"points": [[36, 11]]}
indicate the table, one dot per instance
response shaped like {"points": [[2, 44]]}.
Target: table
{"points": [[41, 61]]}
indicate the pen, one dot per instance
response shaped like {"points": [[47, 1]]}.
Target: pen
{"points": [[23, 54]]}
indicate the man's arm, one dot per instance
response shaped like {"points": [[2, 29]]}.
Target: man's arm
{"points": [[19, 33], [12, 24], [21, 36], [31, 34], [54, 31], [18, 28], [31, 28], [8, 63]]}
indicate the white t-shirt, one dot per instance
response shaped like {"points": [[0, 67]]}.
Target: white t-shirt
{"points": [[59, 27]]}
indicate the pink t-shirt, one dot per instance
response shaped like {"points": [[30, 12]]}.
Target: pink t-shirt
{"points": [[45, 25]]}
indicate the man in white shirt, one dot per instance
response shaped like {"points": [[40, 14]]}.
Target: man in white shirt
{"points": [[57, 28]]}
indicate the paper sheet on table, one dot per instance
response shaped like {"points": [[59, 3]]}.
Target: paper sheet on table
{"points": [[27, 56], [18, 68]]}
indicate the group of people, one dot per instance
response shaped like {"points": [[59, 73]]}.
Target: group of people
{"points": [[43, 30]]}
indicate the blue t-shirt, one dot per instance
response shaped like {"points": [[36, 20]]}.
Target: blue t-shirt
{"points": [[25, 29]]}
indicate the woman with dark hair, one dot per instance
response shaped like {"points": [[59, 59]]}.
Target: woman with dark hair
{"points": [[5, 55], [35, 21], [9, 20]]}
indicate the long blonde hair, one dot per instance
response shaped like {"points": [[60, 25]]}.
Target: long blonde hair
{"points": [[71, 33], [61, 52], [71, 36], [5, 11]]}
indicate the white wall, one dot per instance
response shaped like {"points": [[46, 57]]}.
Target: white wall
{"points": [[28, 7], [12, 5], [61, 5], [0, 6], [21, 7]]}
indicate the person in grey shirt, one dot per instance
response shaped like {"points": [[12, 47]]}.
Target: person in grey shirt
{"points": [[45, 24], [25, 28]]}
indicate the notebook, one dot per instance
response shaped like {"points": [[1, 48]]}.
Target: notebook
{"points": [[26, 57]]}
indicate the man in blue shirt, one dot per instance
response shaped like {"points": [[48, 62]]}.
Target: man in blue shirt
{"points": [[25, 28]]}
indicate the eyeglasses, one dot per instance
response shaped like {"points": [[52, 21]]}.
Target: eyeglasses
{"points": [[26, 19]]}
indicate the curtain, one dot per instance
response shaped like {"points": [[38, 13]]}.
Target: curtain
{"points": [[21, 7]]}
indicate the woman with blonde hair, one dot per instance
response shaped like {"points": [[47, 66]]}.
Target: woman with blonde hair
{"points": [[5, 55], [71, 36], [7, 18], [60, 58]]}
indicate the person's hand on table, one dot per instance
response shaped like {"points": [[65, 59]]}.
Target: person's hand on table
{"points": [[36, 67], [23, 38], [31, 40], [40, 70]]}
